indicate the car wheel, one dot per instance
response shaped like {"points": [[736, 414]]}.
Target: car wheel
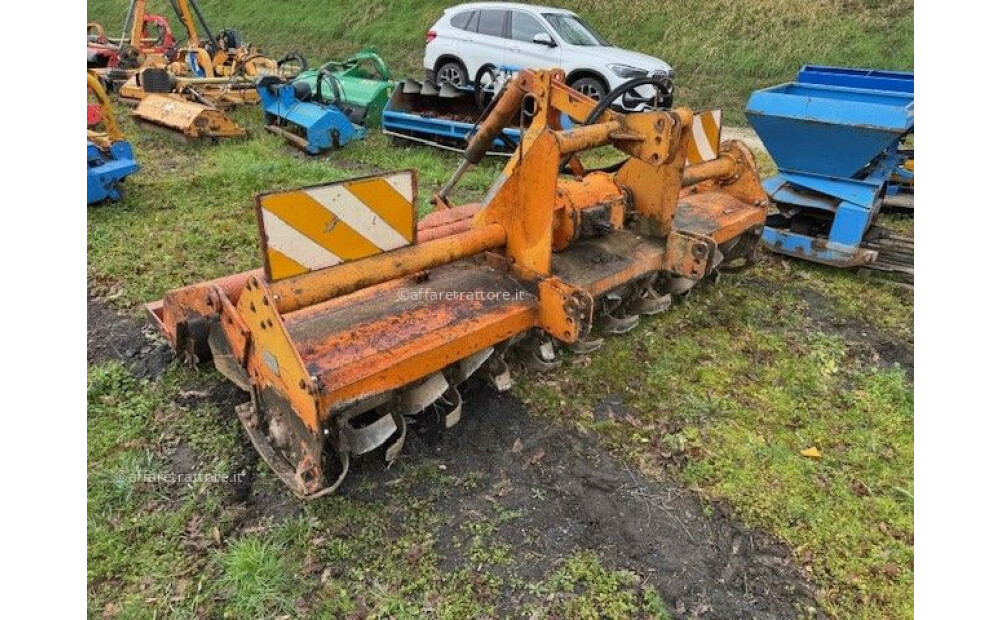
{"points": [[453, 73], [592, 87]]}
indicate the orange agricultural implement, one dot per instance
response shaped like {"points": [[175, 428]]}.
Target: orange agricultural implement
{"points": [[188, 88], [109, 154], [182, 104], [361, 322], [210, 54], [142, 34]]}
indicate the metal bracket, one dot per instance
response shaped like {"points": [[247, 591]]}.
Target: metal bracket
{"points": [[652, 137], [689, 255], [565, 312]]}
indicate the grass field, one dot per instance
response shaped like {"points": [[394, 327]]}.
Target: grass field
{"points": [[718, 396]]}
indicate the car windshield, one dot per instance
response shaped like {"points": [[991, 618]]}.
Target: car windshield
{"points": [[573, 30]]}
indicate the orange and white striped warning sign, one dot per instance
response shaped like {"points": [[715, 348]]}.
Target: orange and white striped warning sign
{"points": [[707, 135], [317, 227]]}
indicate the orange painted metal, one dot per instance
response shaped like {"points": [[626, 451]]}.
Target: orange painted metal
{"points": [[112, 132], [316, 346], [444, 222], [383, 338], [193, 120], [314, 287], [574, 199]]}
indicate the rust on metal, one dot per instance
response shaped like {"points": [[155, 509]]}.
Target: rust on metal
{"points": [[337, 357], [193, 120]]}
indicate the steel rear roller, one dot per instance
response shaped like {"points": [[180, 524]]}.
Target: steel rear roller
{"points": [[362, 322]]}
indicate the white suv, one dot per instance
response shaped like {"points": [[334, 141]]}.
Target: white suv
{"points": [[470, 39]]}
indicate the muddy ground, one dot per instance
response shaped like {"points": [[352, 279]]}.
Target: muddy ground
{"points": [[571, 494]]}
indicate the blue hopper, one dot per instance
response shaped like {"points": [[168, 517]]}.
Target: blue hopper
{"points": [[835, 136]]}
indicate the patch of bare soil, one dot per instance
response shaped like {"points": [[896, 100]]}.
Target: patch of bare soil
{"points": [[569, 494], [864, 341], [113, 336]]}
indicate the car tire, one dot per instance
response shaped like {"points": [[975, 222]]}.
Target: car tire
{"points": [[452, 72], [590, 86]]}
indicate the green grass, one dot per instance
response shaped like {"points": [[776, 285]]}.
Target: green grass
{"points": [[188, 215], [260, 578], [139, 532], [185, 550], [727, 389], [722, 50]]}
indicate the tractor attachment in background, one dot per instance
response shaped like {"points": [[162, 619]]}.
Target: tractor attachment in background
{"points": [[143, 34], [217, 92], [109, 155], [839, 139], [365, 85], [293, 111], [183, 105], [209, 53], [444, 116], [361, 322], [187, 89]]}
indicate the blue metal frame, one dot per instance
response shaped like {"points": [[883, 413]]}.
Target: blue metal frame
{"points": [[106, 168], [321, 124], [836, 146], [193, 66], [850, 77], [409, 125]]}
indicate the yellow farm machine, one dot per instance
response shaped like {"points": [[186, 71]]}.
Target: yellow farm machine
{"points": [[362, 320], [188, 87], [182, 104], [109, 154], [143, 34]]}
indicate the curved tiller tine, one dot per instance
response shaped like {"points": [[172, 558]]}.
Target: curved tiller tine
{"points": [[649, 301]]}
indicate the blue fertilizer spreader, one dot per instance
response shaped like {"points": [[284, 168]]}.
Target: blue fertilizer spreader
{"points": [[838, 137]]}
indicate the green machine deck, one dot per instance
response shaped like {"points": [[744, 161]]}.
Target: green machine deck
{"points": [[364, 80]]}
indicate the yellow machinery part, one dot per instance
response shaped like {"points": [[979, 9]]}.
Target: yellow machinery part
{"points": [[112, 132], [338, 355], [194, 120]]}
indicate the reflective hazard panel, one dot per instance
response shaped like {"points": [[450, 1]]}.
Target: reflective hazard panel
{"points": [[707, 135], [316, 227]]}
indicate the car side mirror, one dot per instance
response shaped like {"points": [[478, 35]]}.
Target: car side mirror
{"points": [[543, 38]]}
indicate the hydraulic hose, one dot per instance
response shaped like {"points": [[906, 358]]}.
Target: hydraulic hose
{"points": [[335, 88], [605, 102]]}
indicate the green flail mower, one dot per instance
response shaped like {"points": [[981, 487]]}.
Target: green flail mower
{"points": [[366, 84]]}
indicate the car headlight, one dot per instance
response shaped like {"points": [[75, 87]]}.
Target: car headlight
{"points": [[627, 72]]}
